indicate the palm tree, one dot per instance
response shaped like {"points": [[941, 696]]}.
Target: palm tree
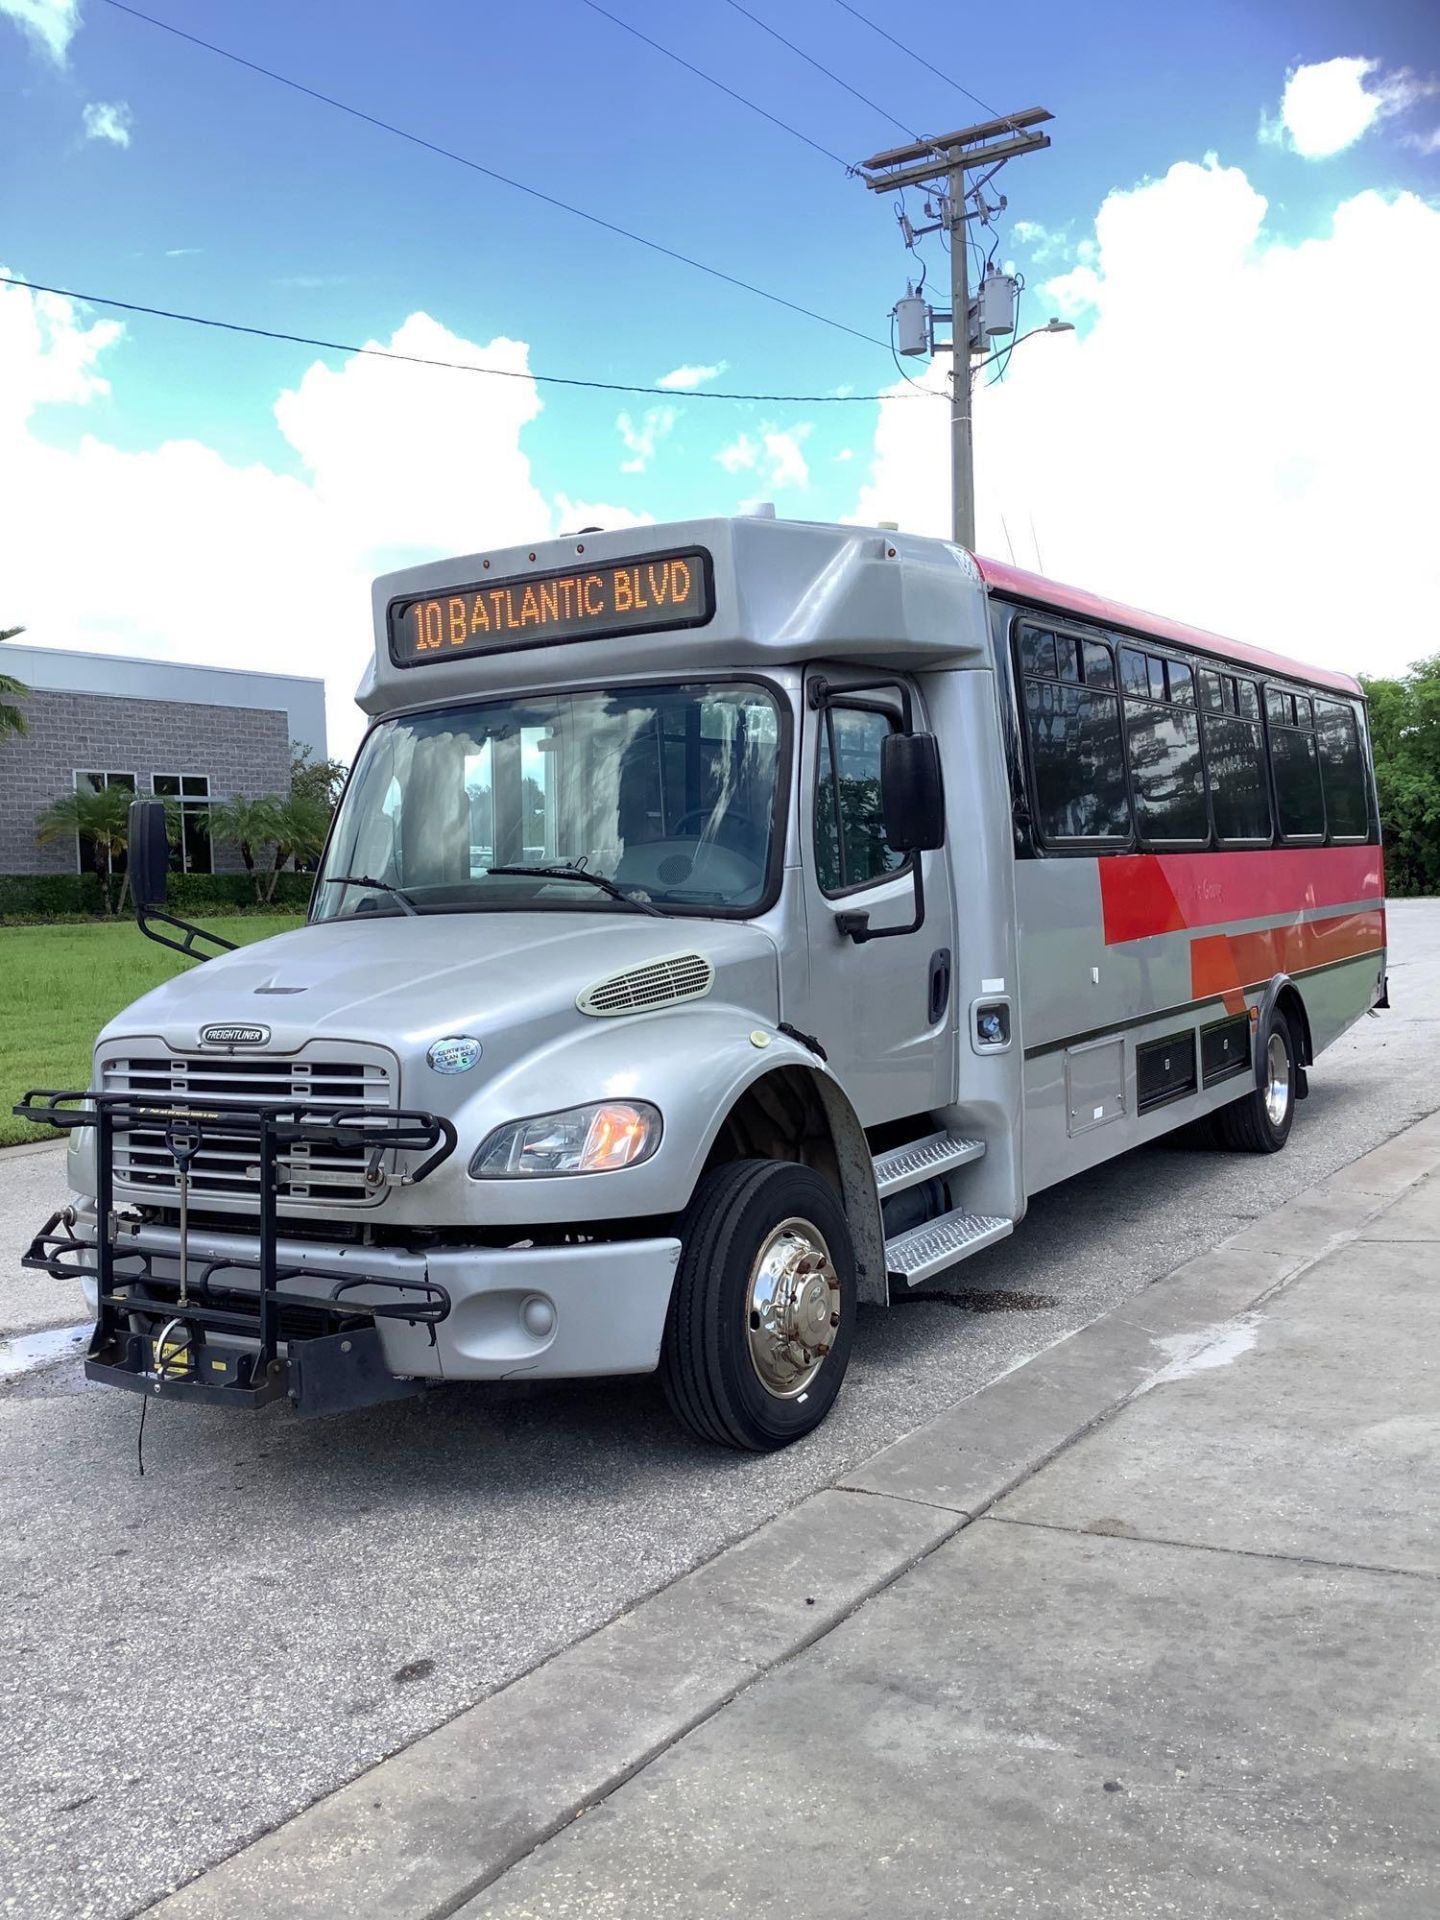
{"points": [[101, 819], [253, 825], [12, 720]]}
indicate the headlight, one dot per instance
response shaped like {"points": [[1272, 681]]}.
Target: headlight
{"points": [[595, 1139]]}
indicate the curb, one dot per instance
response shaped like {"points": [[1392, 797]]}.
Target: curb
{"points": [[424, 1831]]}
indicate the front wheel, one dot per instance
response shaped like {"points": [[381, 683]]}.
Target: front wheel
{"points": [[1261, 1122], [763, 1312]]}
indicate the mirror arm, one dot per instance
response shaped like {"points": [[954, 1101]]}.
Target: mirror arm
{"points": [[151, 920], [855, 925]]}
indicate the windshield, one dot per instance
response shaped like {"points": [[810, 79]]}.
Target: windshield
{"points": [[667, 793]]}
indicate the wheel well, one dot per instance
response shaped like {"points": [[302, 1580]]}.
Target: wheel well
{"points": [[794, 1113], [1289, 1002], [780, 1117]]}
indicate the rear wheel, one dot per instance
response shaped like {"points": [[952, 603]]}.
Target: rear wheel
{"points": [[763, 1311], [1261, 1122]]}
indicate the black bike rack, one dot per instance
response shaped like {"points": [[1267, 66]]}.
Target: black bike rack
{"points": [[322, 1372]]}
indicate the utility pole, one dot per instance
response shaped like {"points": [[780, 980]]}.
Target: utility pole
{"points": [[942, 165]]}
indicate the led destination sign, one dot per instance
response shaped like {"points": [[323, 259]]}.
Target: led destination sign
{"points": [[543, 609]]}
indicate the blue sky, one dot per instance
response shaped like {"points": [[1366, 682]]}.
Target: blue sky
{"points": [[235, 197], [305, 219]]}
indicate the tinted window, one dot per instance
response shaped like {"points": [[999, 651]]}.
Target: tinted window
{"points": [[1239, 789], [1214, 691], [850, 847], [1342, 769], [1037, 651], [1068, 655], [1099, 664], [1165, 772], [1157, 677], [1076, 755], [1249, 699], [1277, 705], [1134, 672], [1182, 684], [1298, 798]]}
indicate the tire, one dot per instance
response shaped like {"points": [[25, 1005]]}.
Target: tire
{"points": [[759, 1376], [1261, 1122]]}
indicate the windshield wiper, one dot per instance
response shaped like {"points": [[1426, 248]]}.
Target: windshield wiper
{"points": [[563, 872], [407, 905]]}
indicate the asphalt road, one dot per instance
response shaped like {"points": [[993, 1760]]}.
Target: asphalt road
{"points": [[187, 1658]]}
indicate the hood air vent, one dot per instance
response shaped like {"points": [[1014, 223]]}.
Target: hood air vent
{"points": [[680, 976]]}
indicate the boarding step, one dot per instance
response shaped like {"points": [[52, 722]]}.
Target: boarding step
{"points": [[927, 1250], [923, 1159]]}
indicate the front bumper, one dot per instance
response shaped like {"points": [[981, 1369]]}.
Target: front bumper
{"points": [[542, 1313]]}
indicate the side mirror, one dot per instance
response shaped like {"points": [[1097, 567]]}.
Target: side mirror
{"points": [[148, 853], [912, 795]]}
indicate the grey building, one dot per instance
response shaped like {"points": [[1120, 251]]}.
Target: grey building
{"points": [[191, 733]]}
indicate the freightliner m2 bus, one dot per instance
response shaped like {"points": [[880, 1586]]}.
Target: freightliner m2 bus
{"points": [[724, 925]]}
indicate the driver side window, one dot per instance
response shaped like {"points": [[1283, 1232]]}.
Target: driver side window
{"points": [[850, 846]]}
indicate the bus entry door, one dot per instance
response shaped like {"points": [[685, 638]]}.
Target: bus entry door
{"points": [[882, 1007]]}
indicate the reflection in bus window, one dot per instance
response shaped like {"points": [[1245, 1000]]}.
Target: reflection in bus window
{"points": [[850, 845], [1239, 783], [1342, 769]]}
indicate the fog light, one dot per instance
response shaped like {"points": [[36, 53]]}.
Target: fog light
{"points": [[537, 1316]]}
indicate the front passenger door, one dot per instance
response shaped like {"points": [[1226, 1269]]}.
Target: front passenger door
{"points": [[873, 1005]]}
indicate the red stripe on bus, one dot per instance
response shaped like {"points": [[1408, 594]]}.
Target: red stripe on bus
{"points": [[1222, 963], [1143, 894]]}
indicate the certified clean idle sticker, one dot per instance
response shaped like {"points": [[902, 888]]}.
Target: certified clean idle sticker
{"points": [[456, 1053]]}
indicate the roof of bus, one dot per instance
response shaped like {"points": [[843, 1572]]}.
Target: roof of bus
{"points": [[1019, 584]]}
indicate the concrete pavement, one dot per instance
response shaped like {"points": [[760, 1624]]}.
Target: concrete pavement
{"points": [[1147, 1626]]}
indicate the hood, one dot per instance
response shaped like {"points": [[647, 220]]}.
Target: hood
{"points": [[508, 979]]}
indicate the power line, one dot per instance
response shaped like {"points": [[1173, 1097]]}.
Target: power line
{"points": [[810, 59], [449, 366], [875, 27], [710, 79], [492, 173]]}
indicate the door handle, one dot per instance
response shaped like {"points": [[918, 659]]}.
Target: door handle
{"points": [[939, 984]]}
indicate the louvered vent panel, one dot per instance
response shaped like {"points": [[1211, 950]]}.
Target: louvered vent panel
{"points": [[681, 976]]}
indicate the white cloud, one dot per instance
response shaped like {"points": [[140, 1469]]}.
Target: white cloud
{"points": [[181, 253], [656, 423], [51, 24], [108, 120], [1214, 442], [1328, 105], [173, 552], [1423, 142], [775, 456], [683, 379]]}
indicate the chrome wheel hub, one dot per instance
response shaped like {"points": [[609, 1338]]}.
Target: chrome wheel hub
{"points": [[792, 1308], [1277, 1080]]}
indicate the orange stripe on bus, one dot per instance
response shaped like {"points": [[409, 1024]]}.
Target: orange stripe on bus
{"points": [[1222, 963]]}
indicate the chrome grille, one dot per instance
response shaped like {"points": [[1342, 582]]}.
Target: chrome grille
{"points": [[227, 1165]]}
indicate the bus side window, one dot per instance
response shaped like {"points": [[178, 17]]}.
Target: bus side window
{"points": [[1342, 771], [1239, 788], [1166, 773], [1295, 760]]}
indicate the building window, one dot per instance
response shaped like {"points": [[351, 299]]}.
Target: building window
{"points": [[190, 792], [86, 858], [850, 845]]}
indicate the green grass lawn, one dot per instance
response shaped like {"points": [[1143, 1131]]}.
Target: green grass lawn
{"points": [[58, 987]]}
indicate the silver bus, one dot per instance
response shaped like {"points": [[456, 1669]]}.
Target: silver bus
{"points": [[724, 925]]}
